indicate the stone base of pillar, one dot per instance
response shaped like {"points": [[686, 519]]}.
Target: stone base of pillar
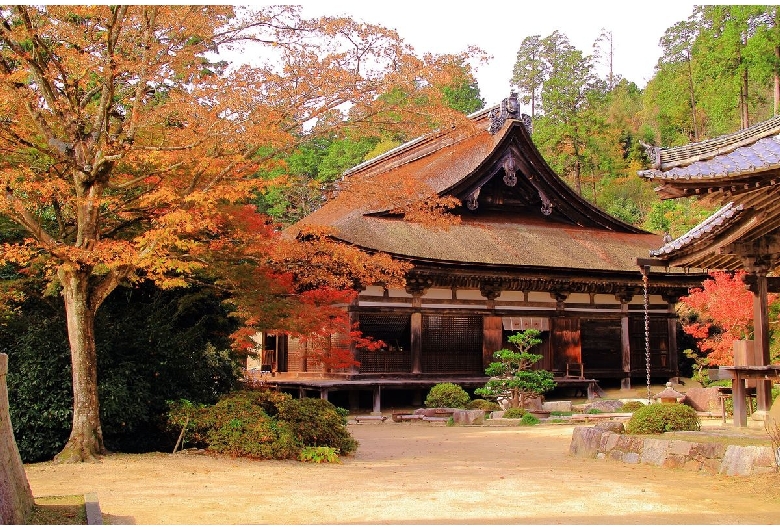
{"points": [[759, 415], [625, 383]]}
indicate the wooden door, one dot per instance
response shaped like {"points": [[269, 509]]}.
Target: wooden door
{"points": [[565, 340]]}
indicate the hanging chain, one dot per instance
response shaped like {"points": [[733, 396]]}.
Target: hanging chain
{"points": [[647, 330]]}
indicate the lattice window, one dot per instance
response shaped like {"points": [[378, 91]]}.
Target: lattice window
{"points": [[659, 342], [601, 344], [452, 344], [393, 330]]}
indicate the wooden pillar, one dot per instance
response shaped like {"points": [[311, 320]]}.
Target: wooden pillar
{"points": [[492, 338], [353, 320], [416, 340], [378, 399], [671, 332], [625, 338], [738, 396], [324, 394], [625, 342], [761, 342], [417, 287]]}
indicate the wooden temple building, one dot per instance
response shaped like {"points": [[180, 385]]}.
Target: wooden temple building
{"points": [[522, 251], [741, 173]]}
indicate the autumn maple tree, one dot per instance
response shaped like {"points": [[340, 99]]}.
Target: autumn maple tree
{"points": [[718, 313], [129, 143]]}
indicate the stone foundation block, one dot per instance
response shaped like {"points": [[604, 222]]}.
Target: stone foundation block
{"points": [[585, 442], [743, 460], [707, 450], [631, 458], [609, 441], [629, 444], [711, 465], [654, 451], [680, 447], [562, 406], [675, 461], [468, 417], [693, 465]]}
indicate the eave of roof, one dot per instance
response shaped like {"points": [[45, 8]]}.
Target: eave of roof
{"points": [[723, 240], [500, 242]]}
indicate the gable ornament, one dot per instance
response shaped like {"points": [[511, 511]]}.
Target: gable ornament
{"points": [[509, 109]]}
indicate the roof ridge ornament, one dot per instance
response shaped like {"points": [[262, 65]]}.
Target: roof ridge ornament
{"points": [[509, 109], [653, 153]]}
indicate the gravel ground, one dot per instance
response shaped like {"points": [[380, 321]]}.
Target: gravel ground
{"points": [[413, 474]]}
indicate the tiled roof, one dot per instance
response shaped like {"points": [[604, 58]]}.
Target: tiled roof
{"points": [[724, 156], [707, 228], [739, 170]]}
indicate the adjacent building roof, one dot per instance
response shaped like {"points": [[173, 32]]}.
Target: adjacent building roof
{"points": [[741, 171], [727, 165]]}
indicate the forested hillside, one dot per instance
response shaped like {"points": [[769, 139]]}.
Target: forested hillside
{"points": [[718, 72]]}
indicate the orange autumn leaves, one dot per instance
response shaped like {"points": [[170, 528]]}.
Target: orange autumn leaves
{"points": [[126, 137]]}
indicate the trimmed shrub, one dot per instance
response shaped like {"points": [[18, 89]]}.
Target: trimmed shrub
{"points": [[483, 404], [514, 413], [238, 425], [663, 417], [264, 424], [529, 419], [317, 423], [447, 395], [631, 406]]}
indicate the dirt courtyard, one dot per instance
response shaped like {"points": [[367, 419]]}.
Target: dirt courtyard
{"points": [[413, 474]]}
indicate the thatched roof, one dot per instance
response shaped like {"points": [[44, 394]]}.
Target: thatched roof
{"points": [[515, 210]]}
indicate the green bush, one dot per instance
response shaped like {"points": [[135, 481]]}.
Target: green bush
{"points": [[319, 455], [529, 419], [514, 413], [447, 395], [483, 404], [238, 425], [663, 417], [265, 424], [317, 423], [631, 406]]}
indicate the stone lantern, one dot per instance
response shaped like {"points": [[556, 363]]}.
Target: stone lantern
{"points": [[669, 395]]}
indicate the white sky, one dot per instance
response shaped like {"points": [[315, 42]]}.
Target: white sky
{"points": [[499, 27]]}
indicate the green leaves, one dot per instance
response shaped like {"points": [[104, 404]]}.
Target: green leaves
{"points": [[512, 373]]}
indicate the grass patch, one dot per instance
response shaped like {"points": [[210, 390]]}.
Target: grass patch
{"points": [[724, 439], [561, 413], [69, 509]]}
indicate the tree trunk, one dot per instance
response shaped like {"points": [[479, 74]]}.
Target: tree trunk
{"points": [[744, 101], [16, 499], [777, 80], [86, 436], [693, 101]]}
